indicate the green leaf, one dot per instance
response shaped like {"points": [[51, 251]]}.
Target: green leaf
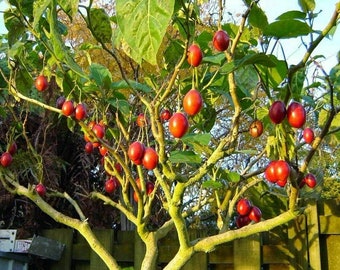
{"points": [[71, 124], [307, 5], [14, 26], [61, 53], [292, 14], [70, 7], [256, 58], [273, 76], [212, 184], [217, 59], [25, 6], [121, 105], [203, 139], [101, 75], [257, 17], [199, 142], [143, 24], [22, 79], [135, 85], [184, 157], [297, 84], [287, 29], [39, 8], [101, 25], [228, 67], [233, 176]]}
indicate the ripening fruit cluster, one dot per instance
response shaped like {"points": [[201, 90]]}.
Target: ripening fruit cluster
{"points": [[149, 186], [6, 158], [278, 171], [247, 212], [141, 155], [295, 114], [193, 101]]}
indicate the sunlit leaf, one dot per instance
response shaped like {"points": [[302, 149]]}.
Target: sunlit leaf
{"points": [[297, 84], [122, 105], [203, 139], [143, 24], [184, 157], [257, 17], [233, 177], [212, 184], [292, 14], [287, 29], [101, 75], [131, 84], [273, 76], [39, 7]]}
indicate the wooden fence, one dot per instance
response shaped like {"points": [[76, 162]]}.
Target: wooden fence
{"points": [[312, 241]]}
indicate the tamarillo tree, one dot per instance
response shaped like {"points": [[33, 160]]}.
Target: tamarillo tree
{"points": [[180, 114]]}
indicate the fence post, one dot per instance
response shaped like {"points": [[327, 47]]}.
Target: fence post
{"points": [[297, 243], [313, 236], [247, 253]]}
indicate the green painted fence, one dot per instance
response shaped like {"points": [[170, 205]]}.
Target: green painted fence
{"points": [[312, 241]]}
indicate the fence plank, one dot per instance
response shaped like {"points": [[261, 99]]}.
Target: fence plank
{"points": [[223, 254], [105, 237], [310, 242], [64, 236], [297, 243], [247, 253], [331, 253]]}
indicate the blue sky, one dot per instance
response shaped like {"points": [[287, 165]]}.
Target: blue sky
{"points": [[328, 48]]}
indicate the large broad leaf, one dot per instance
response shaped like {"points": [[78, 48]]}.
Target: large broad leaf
{"points": [[273, 76], [39, 8], [143, 24], [128, 84], [257, 17], [101, 75], [287, 29], [292, 14], [258, 58], [14, 26], [212, 184], [25, 6], [199, 142], [121, 105]]}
